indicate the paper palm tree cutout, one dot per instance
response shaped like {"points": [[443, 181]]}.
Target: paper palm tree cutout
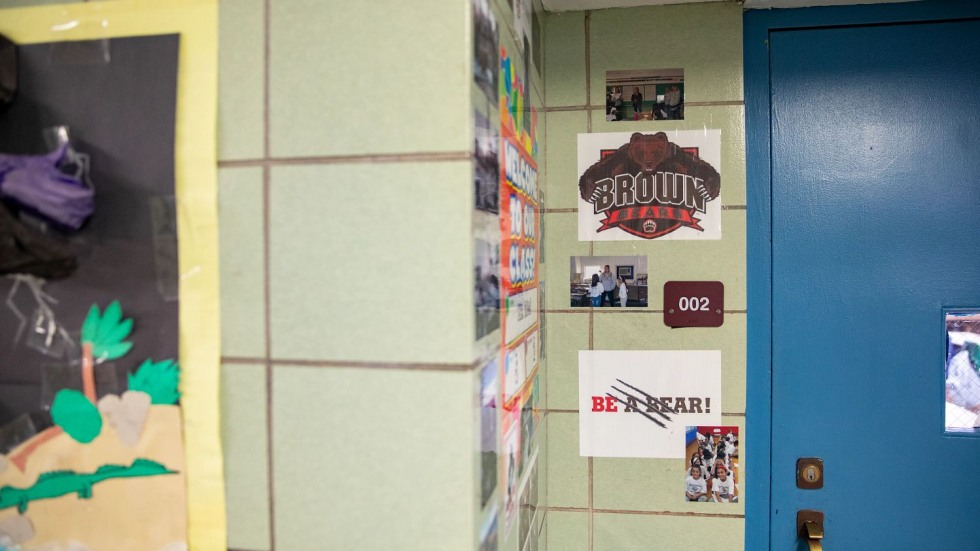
{"points": [[161, 380], [103, 338]]}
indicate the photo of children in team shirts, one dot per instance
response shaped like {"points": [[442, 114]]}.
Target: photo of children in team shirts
{"points": [[711, 457]]}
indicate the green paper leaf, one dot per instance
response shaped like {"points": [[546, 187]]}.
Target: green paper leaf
{"points": [[111, 317], [90, 328], [102, 352], [160, 380], [118, 333], [76, 415]]}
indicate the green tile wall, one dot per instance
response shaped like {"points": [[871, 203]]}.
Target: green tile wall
{"points": [[367, 262], [347, 479], [242, 262], [241, 132], [622, 532], [243, 407], [345, 195], [620, 504], [352, 78], [704, 39]]}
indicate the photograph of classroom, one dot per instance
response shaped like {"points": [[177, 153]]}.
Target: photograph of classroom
{"points": [[644, 95], [608, 280]]}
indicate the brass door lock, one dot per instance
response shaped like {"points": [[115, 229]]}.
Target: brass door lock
{"points": [[809, 473]]}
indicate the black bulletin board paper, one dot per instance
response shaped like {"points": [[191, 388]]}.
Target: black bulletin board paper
{"points": [[118, 98]]}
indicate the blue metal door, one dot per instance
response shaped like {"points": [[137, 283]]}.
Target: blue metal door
{"points": [[875, 225]]}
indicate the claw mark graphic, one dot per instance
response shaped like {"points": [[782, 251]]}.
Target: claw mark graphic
{"points": [[649, 400]]}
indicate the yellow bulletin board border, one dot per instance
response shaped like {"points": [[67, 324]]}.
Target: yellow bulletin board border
{"points": [[196, 21]]}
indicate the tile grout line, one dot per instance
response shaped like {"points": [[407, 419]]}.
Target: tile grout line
{"points": [[588, 67], [720, 103], [670, 513], [588, 116], [353, 364], [591, 510], [267, 263], [649, 513], [367, 158], [376, 365], [618, 310]]}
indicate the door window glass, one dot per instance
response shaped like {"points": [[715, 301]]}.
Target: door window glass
{"points": [[963, 371]]}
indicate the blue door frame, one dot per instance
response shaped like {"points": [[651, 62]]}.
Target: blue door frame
{"points": [[758, 24]]}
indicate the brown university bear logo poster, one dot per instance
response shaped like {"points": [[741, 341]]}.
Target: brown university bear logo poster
{"points": [[645, 185]]}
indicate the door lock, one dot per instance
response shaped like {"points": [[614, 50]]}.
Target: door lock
{"points": [[809, 473]]}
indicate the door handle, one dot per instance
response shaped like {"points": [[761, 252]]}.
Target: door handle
{"points": [[814, 535], [809, 525]]}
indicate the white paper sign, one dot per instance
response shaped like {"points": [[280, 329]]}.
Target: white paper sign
{"points": [[521, 359], [522, 313], [649, 185], [637, 403]]}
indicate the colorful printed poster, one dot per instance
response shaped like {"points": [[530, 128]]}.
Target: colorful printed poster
{"points": [[519, 230], [637, 403], [489, 377], [528, 506], [646, 185], [486, 284], [485, 49], [519, 224], [488, 532], [512, 465]]}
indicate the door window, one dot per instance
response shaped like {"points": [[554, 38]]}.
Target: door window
{"points": [[963, 371]]}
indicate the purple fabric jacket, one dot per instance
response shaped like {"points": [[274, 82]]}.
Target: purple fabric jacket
{"points": [[35, 182]]}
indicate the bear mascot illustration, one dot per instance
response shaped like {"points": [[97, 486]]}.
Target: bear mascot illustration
{"points": [[649, 154]]}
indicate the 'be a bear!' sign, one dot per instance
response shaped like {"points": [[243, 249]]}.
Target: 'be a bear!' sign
{"points": [[641, 185], [639, 403]]}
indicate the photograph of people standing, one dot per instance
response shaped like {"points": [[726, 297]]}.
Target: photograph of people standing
{"points": [[637, 100], [608, 286], [619, 281], [674, 103], [595, 291], [655, 94], [614, 103]]}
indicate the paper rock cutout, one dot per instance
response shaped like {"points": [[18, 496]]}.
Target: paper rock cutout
{"points": [[18, 529], [126, 414], [4, 463]]}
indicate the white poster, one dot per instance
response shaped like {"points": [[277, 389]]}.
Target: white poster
{"points": [[637, 403], [646, 185], [512, 466], [520, 360], [522, 313]]}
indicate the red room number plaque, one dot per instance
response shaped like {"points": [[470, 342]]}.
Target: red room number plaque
{"points": [[694, 303]]}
